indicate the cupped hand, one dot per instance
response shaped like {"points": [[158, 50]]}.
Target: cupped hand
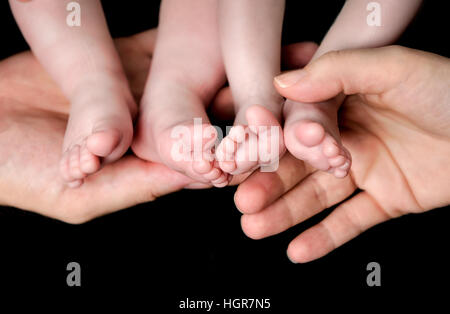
{"points": [[396, 124], [33, 117]]}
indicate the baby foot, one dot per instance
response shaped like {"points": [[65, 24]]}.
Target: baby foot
{"points": [[100, 130], [187, 147], [246, 148], [187, 71], [311, 134]]}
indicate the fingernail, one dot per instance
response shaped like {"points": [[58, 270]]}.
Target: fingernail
{"points": [[289, 78]]}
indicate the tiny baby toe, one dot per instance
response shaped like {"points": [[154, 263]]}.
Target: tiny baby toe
{"points": [[225, 151], [220, 153], [74, 164], [339, 173], [213, 174], [221, 185], [345, 166], [228, 166], [229, 148], [254, 129], [75, 184], [89, 163], [330, 149], [272, 167], [337, 161], [237, 134], [221, 181], [209, 136], [201, 166]]}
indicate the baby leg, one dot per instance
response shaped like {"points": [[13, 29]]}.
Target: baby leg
{"points": [[187, 71], [250, 32], [83, 61], [311, 130]]}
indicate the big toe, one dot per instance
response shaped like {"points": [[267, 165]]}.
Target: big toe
{"points": [[309, 133], [103, 143], [201, 166], [305, 140]]}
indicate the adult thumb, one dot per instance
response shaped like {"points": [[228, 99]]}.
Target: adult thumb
{"points": [[359, 71]]}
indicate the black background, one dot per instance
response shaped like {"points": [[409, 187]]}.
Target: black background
{"points": [[189, 244]]}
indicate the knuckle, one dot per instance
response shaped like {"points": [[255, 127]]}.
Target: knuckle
{"points": [[398, 55], [396, 49], [334, 55]]}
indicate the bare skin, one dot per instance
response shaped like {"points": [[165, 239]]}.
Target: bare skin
{"points": [[395, 123], [311, 130], [100, 125], [34, 115], [85, 65], [188, 73], [251, 62]]}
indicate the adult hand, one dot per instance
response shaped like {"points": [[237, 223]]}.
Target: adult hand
{"points": [[396, 124], [33, 117]]}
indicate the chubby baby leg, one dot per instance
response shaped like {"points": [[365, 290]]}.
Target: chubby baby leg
{"points": [[83, 61], [187, 71], [311, 130], [250, 32]]}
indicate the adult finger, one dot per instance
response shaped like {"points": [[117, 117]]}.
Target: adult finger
{"points": [[263, 188], [315, 193], [345, 223], [360, 71], [127, 182]]}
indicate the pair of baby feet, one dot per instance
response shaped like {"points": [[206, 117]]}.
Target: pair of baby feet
{"points": [[100, 130]]}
